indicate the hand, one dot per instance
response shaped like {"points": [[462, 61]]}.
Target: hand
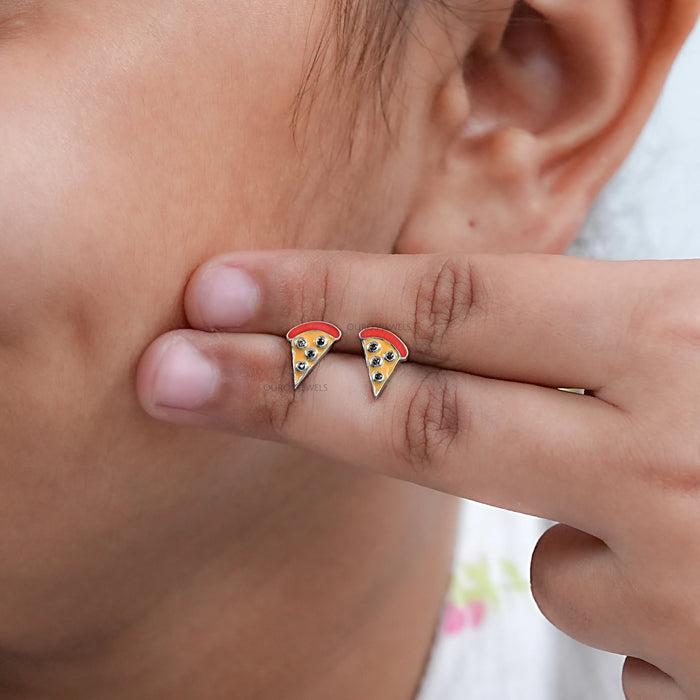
{"points": [[475, 412]]}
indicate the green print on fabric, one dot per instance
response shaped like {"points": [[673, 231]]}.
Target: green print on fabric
{"points": [[473, 592], [517, 581]]}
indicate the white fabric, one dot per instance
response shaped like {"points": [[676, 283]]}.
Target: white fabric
{"points": [[651, 210], [513, 653], [498, 646]]}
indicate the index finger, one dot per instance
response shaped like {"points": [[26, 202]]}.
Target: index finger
{"points": [[516, 446], [547, 320]]}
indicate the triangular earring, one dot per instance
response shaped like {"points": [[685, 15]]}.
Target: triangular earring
{"points": [[383, 352], [310, 343]]}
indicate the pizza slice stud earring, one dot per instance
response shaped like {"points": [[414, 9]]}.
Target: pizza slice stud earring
{"points": [[310, 343], [383, 352]]}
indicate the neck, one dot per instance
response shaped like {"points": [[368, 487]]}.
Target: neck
{"points": [[333, 590]]}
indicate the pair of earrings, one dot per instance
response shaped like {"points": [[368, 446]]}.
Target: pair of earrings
{"points": [[311, 341]]}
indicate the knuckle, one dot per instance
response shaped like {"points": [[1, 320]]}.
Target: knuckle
{"points": [[679, 476], [682, 328], [671, 314], [670, 464], [444, 299], [430, 423], [656, 447]]}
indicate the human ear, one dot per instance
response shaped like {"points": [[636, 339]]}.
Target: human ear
{"points": [[547, 112]]}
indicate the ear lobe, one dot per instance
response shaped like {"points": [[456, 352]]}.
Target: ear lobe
{"points": [[554, 109]]}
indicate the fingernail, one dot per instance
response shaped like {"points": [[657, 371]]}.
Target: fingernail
{"points": [[227, 297], [184, 378]]}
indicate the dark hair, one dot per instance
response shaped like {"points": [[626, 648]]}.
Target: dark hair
{"points": [[361, 46], [367, 32], [361, 49]]}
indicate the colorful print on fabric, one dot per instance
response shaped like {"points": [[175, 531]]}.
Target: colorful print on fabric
{"points": [[474, 590]]}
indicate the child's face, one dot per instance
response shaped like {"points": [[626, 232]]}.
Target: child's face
{"points": [[136, 140]]}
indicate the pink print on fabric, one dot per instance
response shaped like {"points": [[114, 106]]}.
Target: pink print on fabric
{"points": [[456, 619], [475, 589]]}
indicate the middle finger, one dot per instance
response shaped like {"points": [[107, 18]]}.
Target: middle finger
{"points": [[516, 446]]}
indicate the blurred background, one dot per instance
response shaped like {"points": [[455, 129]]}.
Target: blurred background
{"points": [[652, 207]]}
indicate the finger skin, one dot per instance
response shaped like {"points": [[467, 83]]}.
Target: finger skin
{"points": [[578, 586], [642, 681], [585, 589], [483, 439], [541, 319]]}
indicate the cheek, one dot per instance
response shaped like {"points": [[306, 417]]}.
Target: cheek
{"points": [[111, 193], [90, 269], [105, 208], [121, 170], [80, 280], [116, 181], [129, 158], [81, 214]]}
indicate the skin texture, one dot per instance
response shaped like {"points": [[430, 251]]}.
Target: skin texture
{"points": [[127, 138], [138, 141], [472, 416]]}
